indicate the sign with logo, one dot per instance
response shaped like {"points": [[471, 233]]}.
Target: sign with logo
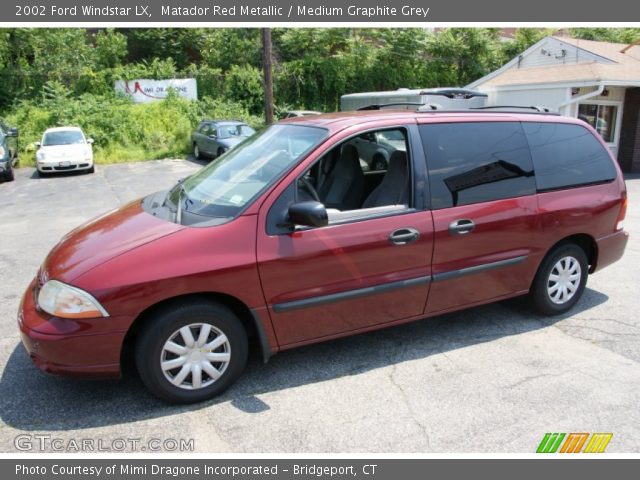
{"points": [[146, 91]]}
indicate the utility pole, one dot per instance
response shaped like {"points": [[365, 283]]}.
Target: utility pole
{"points": [[268, 77]]}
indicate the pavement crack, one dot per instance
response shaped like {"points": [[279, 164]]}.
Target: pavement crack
{"points": [[613, 320], [406, 400], [576, 329], [119, 199], [530, 378]]}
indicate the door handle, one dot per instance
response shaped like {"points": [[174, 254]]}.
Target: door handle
{"points": [[461, 227], [404, 236]]}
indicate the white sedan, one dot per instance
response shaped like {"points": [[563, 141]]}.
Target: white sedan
{"points": [[64, 149]]}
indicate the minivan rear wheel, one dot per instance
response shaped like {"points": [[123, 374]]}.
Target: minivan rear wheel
{"points": [[560, 281], [191, 352]]}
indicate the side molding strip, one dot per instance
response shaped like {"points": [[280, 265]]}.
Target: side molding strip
{"points": [[438, 277], [388, 287], [348, 295]]}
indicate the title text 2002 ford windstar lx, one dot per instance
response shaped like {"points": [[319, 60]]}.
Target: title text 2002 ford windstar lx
{"points": [[285, 241]]}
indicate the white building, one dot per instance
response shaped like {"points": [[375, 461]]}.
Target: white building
{"points": [[596, 81]]}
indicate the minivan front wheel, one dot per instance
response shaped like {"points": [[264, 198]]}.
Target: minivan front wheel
{"points": [[560, 280], [191, 352]]}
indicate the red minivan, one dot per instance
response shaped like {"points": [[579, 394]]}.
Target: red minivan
{"points": [[291, 239]]}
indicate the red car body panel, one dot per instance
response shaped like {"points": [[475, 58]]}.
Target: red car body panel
{"points": [[502, 233], [131, 261], [102, 238], [343, 258]]}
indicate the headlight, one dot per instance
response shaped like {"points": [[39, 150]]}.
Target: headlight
{"points": [[40, 155], [65, 301], [2, 152]]}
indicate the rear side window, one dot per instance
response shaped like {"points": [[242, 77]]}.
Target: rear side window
{"points": [[567, 155], [477, 162]]}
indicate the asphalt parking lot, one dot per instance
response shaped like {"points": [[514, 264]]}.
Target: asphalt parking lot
{"points": [[491, 379]]}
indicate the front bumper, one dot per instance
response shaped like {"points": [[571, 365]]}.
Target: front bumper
{"points": [[69, 347], [64, 164]]}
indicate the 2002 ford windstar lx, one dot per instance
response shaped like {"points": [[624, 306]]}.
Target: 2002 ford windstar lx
{"points": [[286, 241]]}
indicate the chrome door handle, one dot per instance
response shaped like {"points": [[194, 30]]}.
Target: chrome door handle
{"points": [[404, 236], [461, 227]]}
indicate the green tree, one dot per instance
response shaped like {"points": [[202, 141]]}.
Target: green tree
{"points": [[111, 48], [460, 55], [243, 83], [615, 35]]}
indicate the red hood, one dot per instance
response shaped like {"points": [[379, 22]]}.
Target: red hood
{"points": [[102, 239]]}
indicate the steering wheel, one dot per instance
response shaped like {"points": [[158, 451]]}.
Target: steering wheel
{"points": [[306, 185]]}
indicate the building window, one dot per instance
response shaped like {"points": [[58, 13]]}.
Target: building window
{"points": [[600, 117]]}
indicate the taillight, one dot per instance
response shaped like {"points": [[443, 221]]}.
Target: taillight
{"points": [[623, 212]]}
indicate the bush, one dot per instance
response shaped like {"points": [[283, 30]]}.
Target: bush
{"points": [[122, 130]]}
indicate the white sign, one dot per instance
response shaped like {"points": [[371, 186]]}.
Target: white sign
{"points": [[146, 91]]}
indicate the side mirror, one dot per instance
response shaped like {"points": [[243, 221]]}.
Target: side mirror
{"points": [[89, 140], [309, 214], [38, 144], [12, 132]]}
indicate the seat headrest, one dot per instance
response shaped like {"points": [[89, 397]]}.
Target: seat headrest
{"points": [[398, 160], [349, 154]]}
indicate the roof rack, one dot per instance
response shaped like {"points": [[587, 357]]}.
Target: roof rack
{"points": [[380, 106], [435, 108], [536, 108]]}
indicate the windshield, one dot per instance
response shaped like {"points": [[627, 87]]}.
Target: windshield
{"points": [[225, 187], [227, 131], [64, 137], [245, 130]]}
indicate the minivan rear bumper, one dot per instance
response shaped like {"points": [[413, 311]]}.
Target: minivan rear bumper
{"points": [[611, 248]]}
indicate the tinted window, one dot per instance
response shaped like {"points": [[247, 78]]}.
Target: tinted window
{"points": [[476, 162], [567, 155]]}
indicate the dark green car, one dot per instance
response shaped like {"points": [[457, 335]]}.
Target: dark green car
{"points": [[8, 151]]}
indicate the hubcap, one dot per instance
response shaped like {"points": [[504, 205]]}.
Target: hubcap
{"points": [[196, 151], [564, 280], [195, 356]]}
